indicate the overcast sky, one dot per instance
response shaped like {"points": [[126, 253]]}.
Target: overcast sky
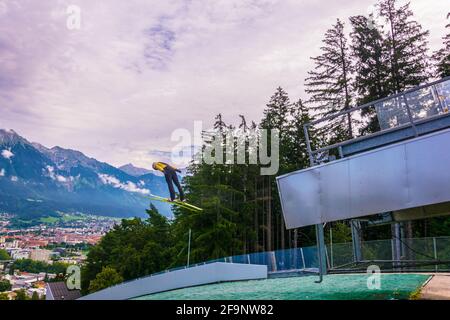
{"points": [[136, 70]]}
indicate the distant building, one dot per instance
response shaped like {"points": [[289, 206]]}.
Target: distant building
{"points": [[12, 244], [19, 284], [59, 291], [40, 292], [55, 254], [60, 250], [20, 254], [40, 255], [61, 239], [36, 243]]}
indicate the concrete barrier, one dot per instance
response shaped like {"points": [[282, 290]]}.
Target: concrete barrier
{"points": [[199, 275]]}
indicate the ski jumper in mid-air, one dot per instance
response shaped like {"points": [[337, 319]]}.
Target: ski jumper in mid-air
{"points": [[170, 173]]}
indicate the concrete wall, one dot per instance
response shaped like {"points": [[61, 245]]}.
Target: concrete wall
{"points": [[208, 273]]}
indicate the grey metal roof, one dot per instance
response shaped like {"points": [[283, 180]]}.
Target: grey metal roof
{"points": [[59, 291]]}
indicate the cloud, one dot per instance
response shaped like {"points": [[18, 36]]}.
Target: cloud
{"points": [[61, 178], [51, 172], [3, 8], [14, 179], [7, 154], [160, 153], [127, 186], [2, 173], [179, 156], [139, 69], [57, 177], [159, 49]]}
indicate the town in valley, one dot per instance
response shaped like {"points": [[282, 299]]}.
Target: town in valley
{"points": [[36, 254]]}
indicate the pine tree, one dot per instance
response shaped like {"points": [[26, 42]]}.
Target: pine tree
{"points": [[371, 80], [277, 115], [329, 84], [407, 45], [298, 152], [276, 111], [246, 216], [217, 231], [442, 56], [371, 59], [219, 125]]}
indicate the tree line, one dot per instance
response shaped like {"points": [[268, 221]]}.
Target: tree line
{"points": [[33, 266], [381, 54]]}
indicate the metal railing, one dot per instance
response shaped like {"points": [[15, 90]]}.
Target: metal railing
{"points": [[402, 110], [418, 254], [340, 254]]}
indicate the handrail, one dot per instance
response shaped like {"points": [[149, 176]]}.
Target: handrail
{"points": [[366, 105], [403, 126], [280, 251], [410, 123]]}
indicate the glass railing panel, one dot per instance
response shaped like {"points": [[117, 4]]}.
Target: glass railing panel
{"points": [[442, 92], [423, 103], [310, 257], [416, 249], [286, 259], [240, 259], [392, 113]]}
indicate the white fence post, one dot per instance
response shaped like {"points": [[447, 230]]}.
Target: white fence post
{"points": [[435, 252], [274, 260], [303, 259]]}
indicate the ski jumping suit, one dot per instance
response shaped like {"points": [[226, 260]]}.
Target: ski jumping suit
{"points": [[170, 173]]}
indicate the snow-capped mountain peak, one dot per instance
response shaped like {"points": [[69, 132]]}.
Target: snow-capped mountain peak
{"points": [[11, 138], [134, 171]]}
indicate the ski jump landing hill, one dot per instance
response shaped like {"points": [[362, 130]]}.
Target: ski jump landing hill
{"points": [[183, 278], [402, 171]]}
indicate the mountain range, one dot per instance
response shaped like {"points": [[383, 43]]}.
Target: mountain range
{"points": [[134, 171], [37, 181]]}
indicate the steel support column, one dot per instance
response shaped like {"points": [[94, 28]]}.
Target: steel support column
{"points": [[321, 251], [356, 240]]}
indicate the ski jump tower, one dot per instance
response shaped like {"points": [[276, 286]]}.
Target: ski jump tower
{"points": [[400, 173]]}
